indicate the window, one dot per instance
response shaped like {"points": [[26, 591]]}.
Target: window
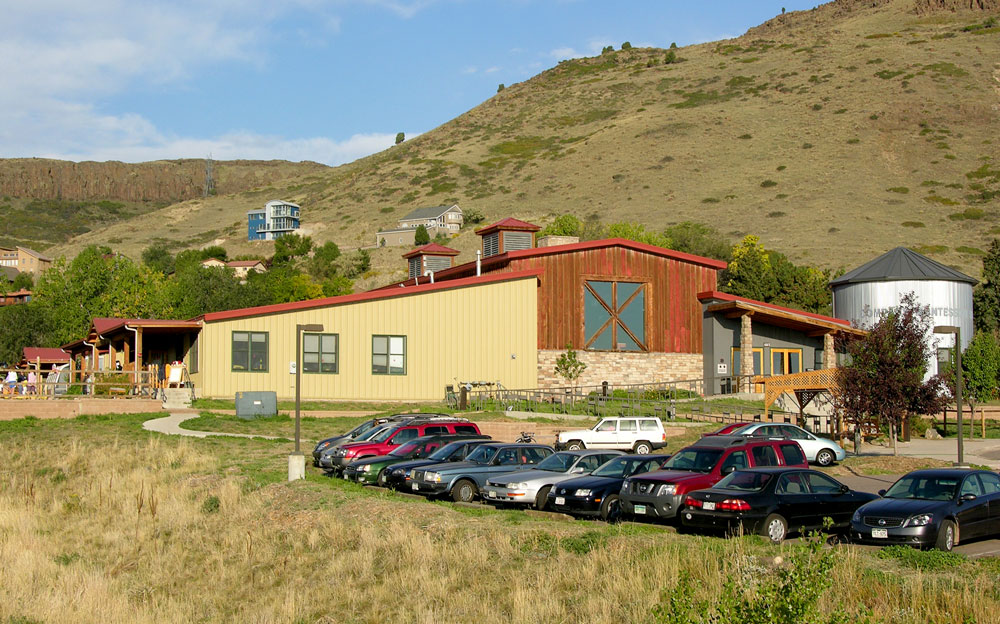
{"points": [[533, 455], [971, 486], [648, 425], [435, 430], [764, 456], [792, 455], [736, 459], [319, 353], [589, 463], [614, 316], [991, 482], [405, 435], [607, 425], [388, 355], [786, 361], [465, 429], [792, 483], [822, 484], [758, 358], [250, 351], [794, 433], [507, 457], [628, 426]]}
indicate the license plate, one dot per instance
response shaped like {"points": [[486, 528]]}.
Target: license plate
{"points": [[708, 506], [883, 533], [560, 500], [415, 486], [640, 509], [491, 494]]}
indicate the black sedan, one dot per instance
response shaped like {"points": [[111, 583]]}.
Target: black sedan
{"points": [[399, 476], [932, 508], [772, 502], [597, 493]]}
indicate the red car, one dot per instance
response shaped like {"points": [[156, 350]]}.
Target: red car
{"points": [[660, 494], [727, 429], [393, 436]]}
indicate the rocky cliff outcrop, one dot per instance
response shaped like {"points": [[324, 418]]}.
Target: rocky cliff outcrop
{"points": [[163, 180]]}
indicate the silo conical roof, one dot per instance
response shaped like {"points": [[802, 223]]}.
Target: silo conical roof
{"points": [[902, 264]]}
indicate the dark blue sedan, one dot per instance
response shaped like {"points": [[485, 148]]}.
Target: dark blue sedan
{"points": [[932, 508]]}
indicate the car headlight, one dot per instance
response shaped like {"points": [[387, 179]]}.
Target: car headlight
{"points": [[581, 493], [667, 490], [365, 468], [323, 445], [517, 486], [857, 516], [432, 477], [921, 520], [625, 484], [397, 472]]}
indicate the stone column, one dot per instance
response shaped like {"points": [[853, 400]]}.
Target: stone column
{"points": [[746, 350], [829, 354]]}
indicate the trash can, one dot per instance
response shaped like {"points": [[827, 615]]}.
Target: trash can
{"points": [[250, 405]]}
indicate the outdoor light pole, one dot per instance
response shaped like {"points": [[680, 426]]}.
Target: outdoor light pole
{"points": [[297, 461], [952, 329]]}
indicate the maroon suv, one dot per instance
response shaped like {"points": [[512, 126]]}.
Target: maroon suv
{"points": [[660, 494], [398, 434]]}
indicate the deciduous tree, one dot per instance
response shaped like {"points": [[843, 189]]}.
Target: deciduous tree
{"points": [[986, 296]]}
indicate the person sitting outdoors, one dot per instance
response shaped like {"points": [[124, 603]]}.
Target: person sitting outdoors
{"points": [[10, 382]]}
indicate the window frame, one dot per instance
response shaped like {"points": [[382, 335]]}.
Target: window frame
{"points": [[319, 354], [388, 354], [615, 323], [250, 351]]}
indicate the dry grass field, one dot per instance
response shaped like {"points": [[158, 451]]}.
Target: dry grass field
{"points": [[101, 522], [835, 134]]}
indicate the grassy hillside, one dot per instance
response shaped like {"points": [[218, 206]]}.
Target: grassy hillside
{"points": [[835, 134]]}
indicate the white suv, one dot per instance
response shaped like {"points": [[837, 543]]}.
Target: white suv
{"points": [[637, 434]]}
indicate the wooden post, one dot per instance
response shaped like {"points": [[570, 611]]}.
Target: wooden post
{"points": [[982, 420], [138, 357]]}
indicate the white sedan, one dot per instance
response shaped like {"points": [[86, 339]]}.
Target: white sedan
{"points": [[532, 486]]}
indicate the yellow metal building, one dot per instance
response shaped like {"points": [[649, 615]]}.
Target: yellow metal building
{"points": [[406, 343]]}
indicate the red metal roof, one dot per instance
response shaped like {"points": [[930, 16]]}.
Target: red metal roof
{"points": [[431, 249], [504, 258], [105, 325], [244, 263], [721, 296], [45, 354], [509, 223], [401, 290]]}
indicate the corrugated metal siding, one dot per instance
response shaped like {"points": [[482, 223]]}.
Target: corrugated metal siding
{"points": [[673, 312], [467, 333], [950, 304]]}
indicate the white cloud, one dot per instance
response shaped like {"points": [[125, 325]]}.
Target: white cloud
{"points": [[564, 53], [61, 59], [491, 70], [471, 69]]}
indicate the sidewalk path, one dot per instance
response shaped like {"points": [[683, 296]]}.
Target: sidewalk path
{"points": [[171, 425], [977, 451]]}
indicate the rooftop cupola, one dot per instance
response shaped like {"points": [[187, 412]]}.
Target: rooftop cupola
{"points": [[432, 257], [507, 235]]}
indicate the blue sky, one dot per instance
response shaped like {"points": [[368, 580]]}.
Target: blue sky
{"points": [[324, 80]]}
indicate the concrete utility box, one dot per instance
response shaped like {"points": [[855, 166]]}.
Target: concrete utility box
{"points": [[250, 405]]}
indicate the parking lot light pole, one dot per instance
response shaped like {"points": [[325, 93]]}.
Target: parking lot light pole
{"points": [[297, 461], [957, 331]]}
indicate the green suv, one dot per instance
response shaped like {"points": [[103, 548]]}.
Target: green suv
{"points": [[375, 470]]}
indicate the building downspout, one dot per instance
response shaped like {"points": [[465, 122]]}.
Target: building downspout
{"points": [[135, 355], [479, 262]]}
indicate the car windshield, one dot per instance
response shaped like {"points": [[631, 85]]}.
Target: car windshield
{"points": [[363, 427], [695, 460], [741, 430], [745, 480], [924, 488], [446, 451], [371, 433], [558, 462], [384, 435], [482, 455], [621, 467], [404, 450]]}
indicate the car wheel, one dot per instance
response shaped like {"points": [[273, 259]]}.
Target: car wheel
{"points": [[383, 478], [542, 500], [825, 457], [575, 445], [464, 491], [611, 509], [775, 528], [946, 537], [643, 448]]}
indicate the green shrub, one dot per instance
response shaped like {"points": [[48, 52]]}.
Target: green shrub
{"points": [[913, 224], [768, 184], [744, 136], [775, 214], [972, 251], [898, 189], [781, 168], [970, 214], [807, 146], [210, 505], [922, 559], [710, 200]]}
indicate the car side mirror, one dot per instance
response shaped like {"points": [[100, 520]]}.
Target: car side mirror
{"points": [[728, 469], [844, 489], [881, 492], [968, 497], [578, 470]]}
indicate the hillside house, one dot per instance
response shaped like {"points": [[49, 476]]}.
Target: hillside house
{"points": [[241, 268], [24, 260], [445, 220], [13, 298], [274, 220]]}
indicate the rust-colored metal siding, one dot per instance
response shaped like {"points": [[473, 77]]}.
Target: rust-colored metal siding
{"points": [[673, 312], [476, 333]]}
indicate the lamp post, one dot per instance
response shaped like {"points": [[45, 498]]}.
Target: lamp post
{"points": [[952, 329], [297, 461]]}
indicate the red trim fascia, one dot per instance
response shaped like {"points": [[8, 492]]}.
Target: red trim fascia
{"points": [[510, 223], [431, 249], [715, 294], [371, 295]]}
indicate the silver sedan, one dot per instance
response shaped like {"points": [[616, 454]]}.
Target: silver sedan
{"points": [[531, 487], [818, 450]]}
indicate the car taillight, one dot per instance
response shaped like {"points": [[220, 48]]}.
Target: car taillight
{"points": [[664, 437], [733, 504], [693, 502]]}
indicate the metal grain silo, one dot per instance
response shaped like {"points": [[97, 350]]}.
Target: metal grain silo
{"points": [[867, 292]]}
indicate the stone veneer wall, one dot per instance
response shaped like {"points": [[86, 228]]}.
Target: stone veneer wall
{"points": [[621, 367]]}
